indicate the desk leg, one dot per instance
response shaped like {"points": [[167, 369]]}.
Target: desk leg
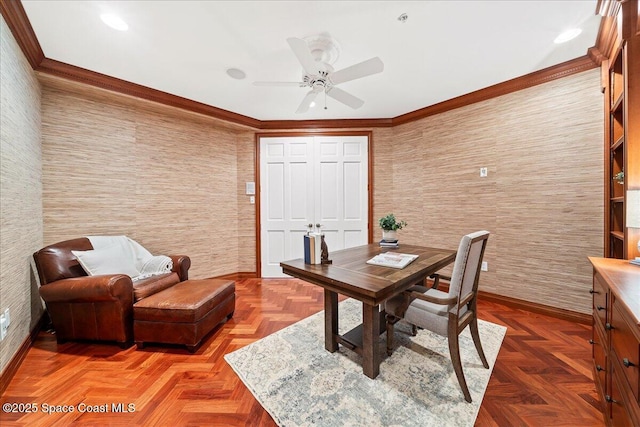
{"points": [[370, 335], [330, 321]]}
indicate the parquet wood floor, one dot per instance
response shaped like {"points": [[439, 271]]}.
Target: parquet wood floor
{"points": [[542, 376]]}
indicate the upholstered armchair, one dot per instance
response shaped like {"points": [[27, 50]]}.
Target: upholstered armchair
{"points": [[446, 313], [99, 307]]}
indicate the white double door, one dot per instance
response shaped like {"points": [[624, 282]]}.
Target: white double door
{"points": [[311, 180]]}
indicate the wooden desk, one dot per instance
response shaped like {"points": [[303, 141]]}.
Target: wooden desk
{"points": [[350, 275]]}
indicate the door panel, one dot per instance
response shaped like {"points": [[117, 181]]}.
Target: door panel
{"points": [[275, 243], [275, 198], [353, 192], [311, 180], [329, 193], [299, 200]]}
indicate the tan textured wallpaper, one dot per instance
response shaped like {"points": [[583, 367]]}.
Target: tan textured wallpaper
{"points": [[542, 200], [118, 165], [21, 192], [245, 150], [115, 165]]}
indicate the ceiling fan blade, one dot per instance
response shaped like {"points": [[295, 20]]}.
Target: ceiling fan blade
{"points": [[362, 69], [296, 84], [306, 102], [301, 49], [345, 97]]}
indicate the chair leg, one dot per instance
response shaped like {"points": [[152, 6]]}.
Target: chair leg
{"points": [[476, 340], [391, 320], [454, 351], [414, 330]]}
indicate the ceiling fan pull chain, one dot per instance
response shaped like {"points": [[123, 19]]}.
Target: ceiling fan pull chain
{"points": [[325, 99]]}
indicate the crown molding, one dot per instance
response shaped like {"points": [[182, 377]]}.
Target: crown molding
{"points": [[542, 76], [82, 75], [20, 26], [607, 39], [596, 55], [325, 124]]}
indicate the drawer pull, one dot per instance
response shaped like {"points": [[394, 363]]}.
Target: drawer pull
{"points": [[608, 326], [599, 368], [626, 363], [610, 399], [591, 291], [592, 342], [600, 308]]}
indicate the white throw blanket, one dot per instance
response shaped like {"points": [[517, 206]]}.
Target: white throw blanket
{"points": [[147, 264]]}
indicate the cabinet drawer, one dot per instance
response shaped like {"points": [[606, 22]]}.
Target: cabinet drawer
{"points": [[600, 298], [599, 360], [626, 349], [617, 410]]}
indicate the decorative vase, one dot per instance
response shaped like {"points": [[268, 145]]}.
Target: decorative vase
{"points": [[389, 235]]}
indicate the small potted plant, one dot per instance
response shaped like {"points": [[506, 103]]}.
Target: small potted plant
{"points": [[390, 225], [619, 177]]}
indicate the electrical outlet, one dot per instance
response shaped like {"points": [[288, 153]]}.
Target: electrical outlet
{"points": [[3, 327], [483, 172], [485, 266]]}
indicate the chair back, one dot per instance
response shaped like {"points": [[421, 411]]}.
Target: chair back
{"points": [[466, 269], [56, 262]]}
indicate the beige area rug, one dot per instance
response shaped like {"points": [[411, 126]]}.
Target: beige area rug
{"points": [[301, 384]]}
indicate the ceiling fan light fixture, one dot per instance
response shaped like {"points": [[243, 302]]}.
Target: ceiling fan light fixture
{"points": [[323, 48], [320, 77], [236, 73], [565, 36], [114, 21]]}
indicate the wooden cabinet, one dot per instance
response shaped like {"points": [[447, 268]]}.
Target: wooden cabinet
{"points": [[621, 81], [616, 339]]}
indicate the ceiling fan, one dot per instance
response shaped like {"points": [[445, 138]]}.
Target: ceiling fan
{"points": [[320, 77]]}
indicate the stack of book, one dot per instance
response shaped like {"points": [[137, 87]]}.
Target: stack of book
{"points": [[392, 259], [312, 248], [388, 243]]}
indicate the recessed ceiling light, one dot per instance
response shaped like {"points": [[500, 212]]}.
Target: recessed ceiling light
{"points": [[236, 73], [114, 21], [568, 35]]}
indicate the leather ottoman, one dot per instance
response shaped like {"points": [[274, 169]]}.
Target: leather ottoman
{"points": [[184, 313]]}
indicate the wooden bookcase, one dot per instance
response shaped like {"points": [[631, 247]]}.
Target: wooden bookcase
{"points": [[621, 75], [616, 285], [615, 156]]}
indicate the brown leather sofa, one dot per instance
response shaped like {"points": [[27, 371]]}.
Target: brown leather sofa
{"points": [[83, 307]]}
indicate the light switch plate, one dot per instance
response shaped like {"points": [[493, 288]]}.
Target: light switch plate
{"points": [[250, 188]]}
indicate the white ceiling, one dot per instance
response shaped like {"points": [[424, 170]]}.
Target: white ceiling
{"points": [[443, 50]]}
